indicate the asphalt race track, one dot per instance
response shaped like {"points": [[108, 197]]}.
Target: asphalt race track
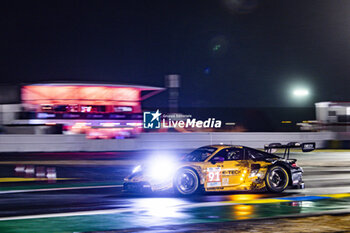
{"points": [[83, 194]]}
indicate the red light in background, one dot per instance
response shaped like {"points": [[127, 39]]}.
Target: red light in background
{"points": [[78, 94]]}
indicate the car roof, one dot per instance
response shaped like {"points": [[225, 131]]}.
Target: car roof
{"points": [[221, 146]]}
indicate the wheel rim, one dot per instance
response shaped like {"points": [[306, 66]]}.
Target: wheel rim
{"points": [[277, 179], [187, 182]]}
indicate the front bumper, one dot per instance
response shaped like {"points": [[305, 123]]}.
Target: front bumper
{"points": [[137, 187]]}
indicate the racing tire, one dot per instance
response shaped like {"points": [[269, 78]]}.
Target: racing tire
{"points": [[186, 182], [277, 179]]}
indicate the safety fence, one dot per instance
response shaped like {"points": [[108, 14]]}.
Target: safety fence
{"points": [[154, 141]]}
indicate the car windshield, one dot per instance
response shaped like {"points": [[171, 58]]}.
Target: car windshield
{"points": [[199, 155]]}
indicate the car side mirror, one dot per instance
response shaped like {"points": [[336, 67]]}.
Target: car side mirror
{"points": [[217, 160]]}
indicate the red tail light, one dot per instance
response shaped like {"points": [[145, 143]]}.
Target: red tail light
{"points": [[294, 165]]}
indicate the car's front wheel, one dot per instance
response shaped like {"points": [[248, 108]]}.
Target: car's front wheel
{"points": [[186, 182], [277, 179]]}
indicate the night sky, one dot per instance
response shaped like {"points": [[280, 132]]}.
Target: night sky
{"points": [[229, 53]]}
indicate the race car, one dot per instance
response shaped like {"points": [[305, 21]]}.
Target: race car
{"points": [[221, 168]]}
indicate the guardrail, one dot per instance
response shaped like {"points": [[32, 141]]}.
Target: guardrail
{"points": [[153, 141]]}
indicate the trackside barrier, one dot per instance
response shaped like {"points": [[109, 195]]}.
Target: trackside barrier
{"points": [[153, 141]]}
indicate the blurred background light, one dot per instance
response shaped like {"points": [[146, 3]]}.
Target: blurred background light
{"points": [[301, 92]]}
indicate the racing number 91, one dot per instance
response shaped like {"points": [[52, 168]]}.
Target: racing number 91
{"points": [[214, 176]]}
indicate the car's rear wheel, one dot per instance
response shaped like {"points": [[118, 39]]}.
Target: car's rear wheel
{"points": [[186, 182], [277, 179]]}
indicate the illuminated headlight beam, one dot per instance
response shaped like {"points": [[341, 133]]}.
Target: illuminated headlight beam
{"points": [[162, 169]]}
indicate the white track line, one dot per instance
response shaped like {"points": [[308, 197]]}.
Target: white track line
{"points": [[58, 189], [320, 190], [327, 177]]}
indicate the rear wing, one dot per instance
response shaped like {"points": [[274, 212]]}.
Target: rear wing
{"points": [[305, 147]]}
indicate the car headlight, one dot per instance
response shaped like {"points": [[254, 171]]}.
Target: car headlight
{"points": [[162, 169]]}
